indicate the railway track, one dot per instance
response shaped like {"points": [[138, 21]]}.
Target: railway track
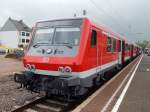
{"points": [[45, 104], [54, 104]]}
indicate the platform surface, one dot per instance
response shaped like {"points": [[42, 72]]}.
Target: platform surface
{"points": [[137, 97], [104, 98]]}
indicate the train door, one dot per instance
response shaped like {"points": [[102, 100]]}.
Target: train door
{"points": [[99, 50], [94, 45], [120, 53], [123, 51]]}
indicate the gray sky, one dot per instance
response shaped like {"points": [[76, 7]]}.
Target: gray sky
{"points": [[130, 18]]}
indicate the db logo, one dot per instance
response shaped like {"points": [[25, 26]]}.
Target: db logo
{"points": [[45, 59]]}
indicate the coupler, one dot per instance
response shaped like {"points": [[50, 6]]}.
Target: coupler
{"points": [[25, 79]]}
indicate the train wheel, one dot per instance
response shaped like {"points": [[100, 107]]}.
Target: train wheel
{"points": [[16, 77], [97, 81], [119, 67]]}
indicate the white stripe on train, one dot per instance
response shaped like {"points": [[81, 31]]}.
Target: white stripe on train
{"points": [[83, 74]]}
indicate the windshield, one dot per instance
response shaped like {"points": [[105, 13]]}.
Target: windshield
{"points": [[57, 36], [67, 36], [43, 35]]}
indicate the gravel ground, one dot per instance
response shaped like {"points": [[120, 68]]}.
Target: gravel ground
{"points": [[10, 96]]}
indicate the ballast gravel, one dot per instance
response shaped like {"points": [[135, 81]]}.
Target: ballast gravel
{"points": [[11, 96]]}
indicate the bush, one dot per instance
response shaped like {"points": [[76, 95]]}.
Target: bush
{"points": [[19, 53], [16, 53]]}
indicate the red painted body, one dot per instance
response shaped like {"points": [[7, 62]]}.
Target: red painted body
{"points": [[86, 57]]}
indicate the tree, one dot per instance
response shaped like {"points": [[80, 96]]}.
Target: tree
{"points": [[144, 44]]}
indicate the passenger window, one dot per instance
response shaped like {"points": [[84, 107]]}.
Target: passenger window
{"points": [[94, 38], [109, 44], [129, 47], [126, 48], [114, 45], [119, 49]]}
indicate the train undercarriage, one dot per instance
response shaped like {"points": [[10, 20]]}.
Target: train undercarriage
{"points": [[64, 85], [67, 86]]}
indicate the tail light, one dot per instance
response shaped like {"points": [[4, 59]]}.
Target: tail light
{"points": [[65, 69]]}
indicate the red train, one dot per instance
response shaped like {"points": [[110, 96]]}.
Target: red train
{"points": [[69, 56]]}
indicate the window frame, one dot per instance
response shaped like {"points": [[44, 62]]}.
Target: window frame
{"points": [[27, 40], [23, 34], [23, 40], [109, 44], [28, 34]]}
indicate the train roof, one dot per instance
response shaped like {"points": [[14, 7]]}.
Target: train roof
{"points": [[62, 19], [107, 29]]}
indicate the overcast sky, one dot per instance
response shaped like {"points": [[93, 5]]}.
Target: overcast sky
{"points": [[130, 18]]}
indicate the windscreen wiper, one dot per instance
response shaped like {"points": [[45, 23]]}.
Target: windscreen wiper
{"points": [[36, 45], [67, 45]]}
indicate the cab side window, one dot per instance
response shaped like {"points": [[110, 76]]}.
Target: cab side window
{"points": [[94, 38]]}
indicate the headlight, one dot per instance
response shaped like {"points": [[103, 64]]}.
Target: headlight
{"points": [[68, 69], [30, 67]]}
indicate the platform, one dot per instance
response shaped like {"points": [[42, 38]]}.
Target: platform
{"points": [[133, 82], [137, 98]]}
